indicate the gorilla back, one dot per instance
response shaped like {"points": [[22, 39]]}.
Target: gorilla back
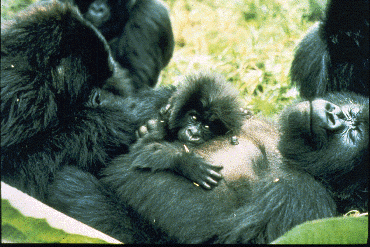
{"points": [[139, 33], [52, 111], [334, 55]]}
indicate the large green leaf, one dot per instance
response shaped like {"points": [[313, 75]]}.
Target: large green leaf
{"points": [[27, 220], [15, 227], [339, 230]]}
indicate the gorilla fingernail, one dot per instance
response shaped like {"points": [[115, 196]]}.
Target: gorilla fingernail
{"points": [[165, 109], [234, 140]]}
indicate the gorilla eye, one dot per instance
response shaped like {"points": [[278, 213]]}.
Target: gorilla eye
{"points": [[351, 113], [194, 117], [206, 126], [354, 112]]}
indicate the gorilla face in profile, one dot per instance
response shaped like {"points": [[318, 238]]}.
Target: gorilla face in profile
{"points": [[329, 139]]}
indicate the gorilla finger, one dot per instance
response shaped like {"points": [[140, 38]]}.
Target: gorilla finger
{"points": [[137, 135], [164, 109], [214, 174], [211, 181], [152, 124], [143, 130], [205, 185], [216, 169]]}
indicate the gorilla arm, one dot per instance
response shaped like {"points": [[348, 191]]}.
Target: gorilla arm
{"points": [[152, 153]]}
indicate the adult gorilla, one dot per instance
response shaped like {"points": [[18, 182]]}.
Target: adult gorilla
{"points": [[139, 33], [334, 55], [55, 106], [314, 167]]}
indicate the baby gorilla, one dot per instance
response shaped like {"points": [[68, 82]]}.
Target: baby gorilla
{"points": [[202, 108]]}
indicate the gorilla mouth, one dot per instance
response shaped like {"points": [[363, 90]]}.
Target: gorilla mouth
{"points": [[195, 140], [308, 124]]}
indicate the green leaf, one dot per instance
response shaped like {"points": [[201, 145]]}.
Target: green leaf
{"points": [[339, 230], [16, 228]]}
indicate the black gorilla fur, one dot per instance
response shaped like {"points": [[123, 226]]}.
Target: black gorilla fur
{"points": [[138, 31], [334, 55], [265, 192], [203, 107], [335, 150], [55, 109], [216, 104]]}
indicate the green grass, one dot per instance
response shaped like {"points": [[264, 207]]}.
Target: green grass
{"points": [[250, 42]]}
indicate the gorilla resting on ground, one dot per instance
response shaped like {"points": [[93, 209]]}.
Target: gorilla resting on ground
{"points": [[314, 167], [138, 31], [55, 109], [334, 55]]}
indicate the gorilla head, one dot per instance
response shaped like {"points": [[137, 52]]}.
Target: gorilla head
{"points": [[328, 138]]}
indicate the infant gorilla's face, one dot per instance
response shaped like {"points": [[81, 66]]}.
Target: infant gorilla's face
{"points": [[195, 129]]}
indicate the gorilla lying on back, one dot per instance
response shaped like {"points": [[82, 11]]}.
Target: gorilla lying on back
{"points": [[314, 167], [334, 55], [55, 106], [139, 33]]}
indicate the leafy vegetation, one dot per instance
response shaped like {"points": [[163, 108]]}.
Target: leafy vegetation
{"points": [[338, 230], [17, 228], [250, 42]]}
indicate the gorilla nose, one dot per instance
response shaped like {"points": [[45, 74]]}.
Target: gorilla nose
{"points": [[193, 133], [330, 115]]}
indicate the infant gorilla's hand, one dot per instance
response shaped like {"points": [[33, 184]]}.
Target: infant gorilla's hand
{"points": [[154, 129], [200, 171]]}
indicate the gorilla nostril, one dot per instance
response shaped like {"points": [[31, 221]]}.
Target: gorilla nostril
{"points": [[330, 118]]}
